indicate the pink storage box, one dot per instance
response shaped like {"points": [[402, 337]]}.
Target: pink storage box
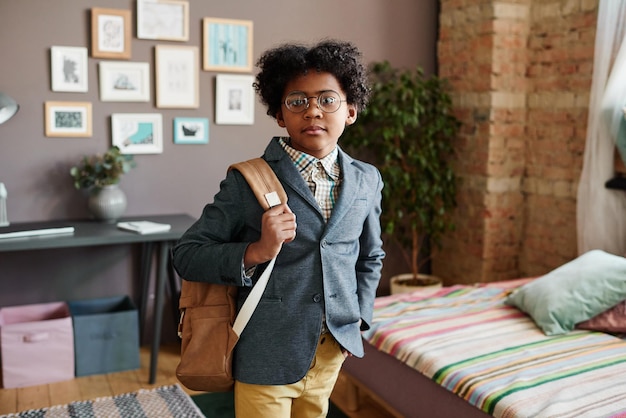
{"points": [[36, 344]]}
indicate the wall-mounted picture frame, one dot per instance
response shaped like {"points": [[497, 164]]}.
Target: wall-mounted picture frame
{"points": [[164, 20], [227, 44], [137, 133], [176, 72], [191, 130], [234, 99], [69, 68], [124, 81], [67, 119], [110, 33]]}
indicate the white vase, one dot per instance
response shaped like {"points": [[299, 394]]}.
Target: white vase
{"points": [[107, 203], [406, 283]]}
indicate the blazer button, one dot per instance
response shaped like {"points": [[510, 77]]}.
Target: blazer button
{"points": [[317, 298]]}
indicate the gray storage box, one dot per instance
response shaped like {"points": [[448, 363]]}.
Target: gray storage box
{"points": [[106, 335]]}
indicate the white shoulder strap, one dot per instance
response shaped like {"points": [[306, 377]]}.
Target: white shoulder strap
{"points": [[248, 307], [269, 192]]}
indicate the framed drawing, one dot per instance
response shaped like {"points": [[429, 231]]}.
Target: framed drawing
{"points": [[234, 99], [137, 133], [110, 33], [68, 119], [176, 70], [191, 131], [166, 20], [124, 81], [69, 68], [227, 45]]}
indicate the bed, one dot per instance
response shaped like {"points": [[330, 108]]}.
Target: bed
{"points": [[506, 349]]}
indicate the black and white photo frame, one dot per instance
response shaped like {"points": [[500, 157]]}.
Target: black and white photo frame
{"points": [[69, 69], [234, 99]]}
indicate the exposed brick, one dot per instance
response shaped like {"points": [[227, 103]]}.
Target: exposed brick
{"points": [[589, 5], [546, 9], [521, 72], [502, 10]]}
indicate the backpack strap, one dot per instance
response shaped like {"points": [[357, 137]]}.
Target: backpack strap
{"points": [[263, 182], [269, 192]]}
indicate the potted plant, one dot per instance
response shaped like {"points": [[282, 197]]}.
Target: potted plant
{"points": [[100, 175], [408, 131]]}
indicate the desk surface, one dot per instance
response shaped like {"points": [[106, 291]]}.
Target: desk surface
{"points": [[91, 232]]}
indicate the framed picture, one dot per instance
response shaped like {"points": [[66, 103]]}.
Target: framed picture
{"points": [[137, 133], [68, 119], [234, 99], [176, 69], [110, 33], [166, 20], [69, 68], [227, 45], [124, 81], [191, 131]]}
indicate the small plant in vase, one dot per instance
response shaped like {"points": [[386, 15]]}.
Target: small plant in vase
{"points": [[100, 175]]}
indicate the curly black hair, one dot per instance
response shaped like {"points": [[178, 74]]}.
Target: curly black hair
{"points": [[282, 64]]}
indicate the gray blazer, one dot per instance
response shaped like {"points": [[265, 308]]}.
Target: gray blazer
{"points": [[333, 268]]}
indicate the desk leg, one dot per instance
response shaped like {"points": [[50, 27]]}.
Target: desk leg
{"points": [[159, 290], [174, 290], [147, 250]]}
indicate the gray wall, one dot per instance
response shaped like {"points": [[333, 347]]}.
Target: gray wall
{"points": [[183, 178]]}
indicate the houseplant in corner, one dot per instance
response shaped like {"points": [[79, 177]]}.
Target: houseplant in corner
{"points": [[99, 175], [408, 132]]}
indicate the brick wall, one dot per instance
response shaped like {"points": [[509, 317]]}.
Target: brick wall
{"points": [[521, 73]]}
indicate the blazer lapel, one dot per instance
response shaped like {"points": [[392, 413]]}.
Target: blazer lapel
{"points": [[288, 174]]}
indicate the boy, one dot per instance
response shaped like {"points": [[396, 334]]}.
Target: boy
{"points": [[327, 237]]}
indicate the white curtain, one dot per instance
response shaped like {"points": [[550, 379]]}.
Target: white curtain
{"points": [[601, 213]]}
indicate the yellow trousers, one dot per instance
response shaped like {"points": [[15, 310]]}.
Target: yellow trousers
{"points": [[307, 398]]}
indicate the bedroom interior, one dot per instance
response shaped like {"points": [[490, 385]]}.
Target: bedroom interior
{"points": [[531, 199]]}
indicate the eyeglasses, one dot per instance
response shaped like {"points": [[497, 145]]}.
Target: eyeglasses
{"points": [[328, 101]]}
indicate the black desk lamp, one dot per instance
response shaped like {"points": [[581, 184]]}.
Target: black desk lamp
{"points": [[8, 107]]}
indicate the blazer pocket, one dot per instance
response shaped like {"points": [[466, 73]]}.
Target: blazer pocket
{"points": [[271, 299]]}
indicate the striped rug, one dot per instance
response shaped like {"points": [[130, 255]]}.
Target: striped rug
{"points": [[162, 402]]}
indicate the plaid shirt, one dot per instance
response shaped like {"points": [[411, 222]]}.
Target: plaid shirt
{"points": [[322, 176]]}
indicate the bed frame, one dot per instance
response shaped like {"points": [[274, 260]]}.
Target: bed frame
{"points": [[401, 390]]}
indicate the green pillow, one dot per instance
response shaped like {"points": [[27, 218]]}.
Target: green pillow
{"points": [[574, 292]]}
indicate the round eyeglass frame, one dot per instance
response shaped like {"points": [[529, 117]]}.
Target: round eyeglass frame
{"points": [[308, 102]]}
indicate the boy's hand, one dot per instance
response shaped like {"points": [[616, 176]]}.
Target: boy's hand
{"points": [[278, 226]]}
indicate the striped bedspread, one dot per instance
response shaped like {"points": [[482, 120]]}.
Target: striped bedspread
{"points": [[494, 356]]}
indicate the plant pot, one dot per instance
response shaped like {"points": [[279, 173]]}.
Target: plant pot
{"points": [[406, 283], [108, 203]]}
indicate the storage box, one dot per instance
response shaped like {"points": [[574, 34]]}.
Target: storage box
{"points": [[36, 344], [106, 335]]}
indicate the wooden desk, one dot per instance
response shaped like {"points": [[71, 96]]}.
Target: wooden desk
{"points": [[94, 233]]}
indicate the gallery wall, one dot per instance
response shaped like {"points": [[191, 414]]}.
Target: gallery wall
{"points": [[181, 179]]}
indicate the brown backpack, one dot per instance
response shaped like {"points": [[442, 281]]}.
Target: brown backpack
{"points": [[208, 311]]}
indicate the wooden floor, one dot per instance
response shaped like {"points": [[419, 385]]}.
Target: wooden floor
{"points": [[90, 387]]}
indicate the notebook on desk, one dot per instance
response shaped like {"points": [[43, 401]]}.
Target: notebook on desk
{"points": [[37, 232], [144, 227]]}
